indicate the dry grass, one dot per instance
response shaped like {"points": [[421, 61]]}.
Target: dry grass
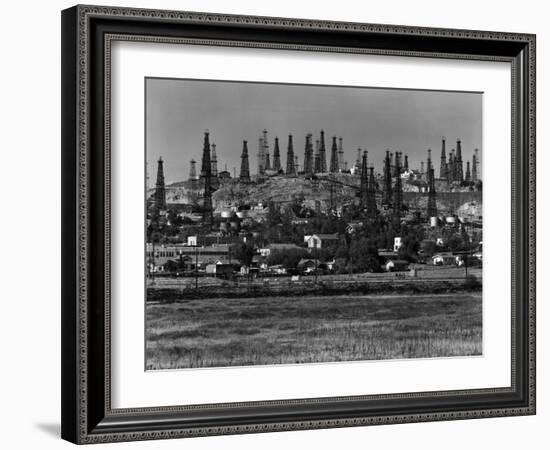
{"points": [[239, 332]]}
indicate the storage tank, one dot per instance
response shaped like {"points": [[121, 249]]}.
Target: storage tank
{"points": [[450, 220]]}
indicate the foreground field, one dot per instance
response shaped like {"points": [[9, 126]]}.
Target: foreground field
{"points": [[282, 330]]}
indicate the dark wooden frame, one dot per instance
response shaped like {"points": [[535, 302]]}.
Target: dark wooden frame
{"points": [[87, 31]]}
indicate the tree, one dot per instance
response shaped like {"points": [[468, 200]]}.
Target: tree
{"points": [[274, 216], [365, 256], [244, 253], [428, 247], [174, 218], [409, 248], [455, 243], [288, 258]]}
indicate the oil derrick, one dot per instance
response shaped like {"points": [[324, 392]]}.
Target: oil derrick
{"points": [[364, 187], [468, 176], [213, 160], [160, 188], [245, 165], [322, 154], [474, 166], [459, 169], [331, 198], [397, 192], [397, 165], [334, 166], [372, 212], [267, 163], [452, 164], [340, 154], [316, 157], [308, 156], [387, 189], [206, 176], [206, 164], [443, 165], [290, 166], [432, 207], [263, 154], [193, 174], [358, 161], [214, 164], [429, 164], [276, 156]]}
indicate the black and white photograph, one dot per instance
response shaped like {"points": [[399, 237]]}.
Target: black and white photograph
{"points": [[293, 224], [284, 218]]}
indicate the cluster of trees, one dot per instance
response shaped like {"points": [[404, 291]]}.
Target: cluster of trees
{"points": [[244, 253], [363, 256], [167, 228], [289, 258]]}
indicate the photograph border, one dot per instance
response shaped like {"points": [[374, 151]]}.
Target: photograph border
{"points": [[87, 35]]}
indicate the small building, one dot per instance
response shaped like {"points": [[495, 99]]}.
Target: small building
{"points": [[411, 175], [224, 175], [321, 240], [252, 271], [397, 243], [277, 269], [220, 270], [396, 265], [354, 227], [199, 255], [211, 268], [307, 265], [443, 259]]}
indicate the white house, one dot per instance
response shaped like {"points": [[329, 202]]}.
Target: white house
{"points": [[443, 259], [320, 240], [397, 243]]}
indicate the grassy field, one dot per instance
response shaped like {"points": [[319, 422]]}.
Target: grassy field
{"points": [[238, 332]]}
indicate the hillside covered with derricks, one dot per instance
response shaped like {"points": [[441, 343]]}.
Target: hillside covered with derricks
{"points": [[326, 192]]}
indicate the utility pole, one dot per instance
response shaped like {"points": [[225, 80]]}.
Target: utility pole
{"points": [[206, 175], [196, 266], [331, 197], [316, 255], [153, 268], [387, 192]]}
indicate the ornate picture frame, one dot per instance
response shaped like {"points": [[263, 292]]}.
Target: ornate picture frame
{"points": [[88, 33]]}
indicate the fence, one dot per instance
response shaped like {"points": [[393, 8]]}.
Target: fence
{"points": [[172, 289]]}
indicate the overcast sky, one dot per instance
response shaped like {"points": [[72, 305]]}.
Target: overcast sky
{"points": [[411, 121]]}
